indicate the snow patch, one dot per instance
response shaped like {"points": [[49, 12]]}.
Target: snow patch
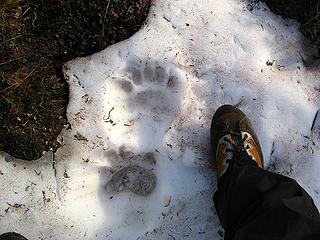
{"points": [[135, 163]]}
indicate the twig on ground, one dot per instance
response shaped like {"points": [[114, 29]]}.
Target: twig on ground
{"points": [[108, 119], [104, 18], [17, 84], [10, 39], [10, 61]]}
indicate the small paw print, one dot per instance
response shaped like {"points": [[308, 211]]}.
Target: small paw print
{"points": [[131, 171], [136, 179]]}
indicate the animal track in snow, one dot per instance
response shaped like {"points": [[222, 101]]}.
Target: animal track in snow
{"points": [[154, 91], [153, 88], [133, 172], [134, 178]]}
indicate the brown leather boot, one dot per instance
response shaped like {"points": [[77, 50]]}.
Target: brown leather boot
{"points": [[12, 236], [233, 138]]}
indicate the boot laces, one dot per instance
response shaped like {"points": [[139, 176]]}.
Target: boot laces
{"points": [[239, 146]]}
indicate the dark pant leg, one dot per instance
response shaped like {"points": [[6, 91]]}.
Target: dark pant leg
{"points": [[254, 204]]}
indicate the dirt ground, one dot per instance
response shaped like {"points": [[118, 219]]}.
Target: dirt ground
{"points": [[37, 36], [307, 12]]}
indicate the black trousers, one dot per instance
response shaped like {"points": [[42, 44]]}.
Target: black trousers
{"points": [[254, 204]]}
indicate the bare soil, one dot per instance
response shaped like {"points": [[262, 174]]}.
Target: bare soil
{"points": [[37, 36], [307, 12]]}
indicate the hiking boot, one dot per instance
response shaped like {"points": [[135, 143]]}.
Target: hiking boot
{"points": [[12, 236], [233, 139]]}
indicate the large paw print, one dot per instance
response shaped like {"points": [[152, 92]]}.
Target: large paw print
{"points": [[153, 88], [153, 91]]}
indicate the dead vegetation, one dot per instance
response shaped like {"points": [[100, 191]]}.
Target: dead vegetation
{"points": [[307, 12], [37, 36]]}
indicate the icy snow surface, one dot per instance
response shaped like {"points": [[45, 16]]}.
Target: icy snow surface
{"points": [[135, 162]]}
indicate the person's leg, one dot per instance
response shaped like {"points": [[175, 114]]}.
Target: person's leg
{"points": [[253, 203], [256, 204]]}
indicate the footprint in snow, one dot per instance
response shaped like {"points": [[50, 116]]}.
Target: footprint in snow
{"points": [[155, 91], [131, 171]]}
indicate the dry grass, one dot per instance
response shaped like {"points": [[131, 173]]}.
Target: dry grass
{"points": [[37, 36], [10, 16], [312, 26], [307, 12], [29, 121]]}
